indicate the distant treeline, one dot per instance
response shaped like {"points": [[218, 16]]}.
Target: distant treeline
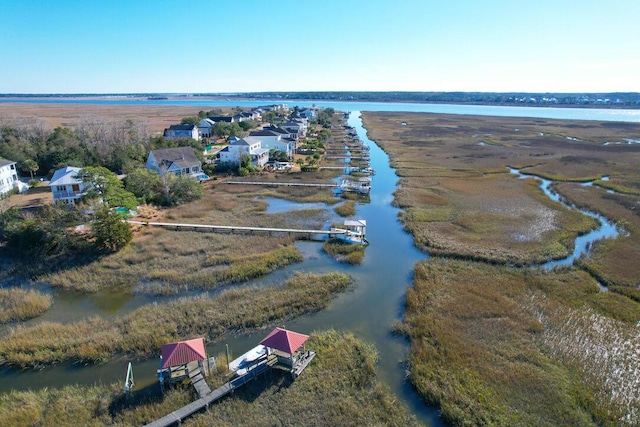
{"points": [[549, 98], [615, 98]]}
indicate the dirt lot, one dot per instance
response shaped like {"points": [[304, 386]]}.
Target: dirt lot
{"points": [[34, 198]]}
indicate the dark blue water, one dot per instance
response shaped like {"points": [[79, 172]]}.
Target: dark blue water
{"points": [[600, 114]]}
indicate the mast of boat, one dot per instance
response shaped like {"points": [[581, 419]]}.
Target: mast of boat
{"points": [[128, 382]]}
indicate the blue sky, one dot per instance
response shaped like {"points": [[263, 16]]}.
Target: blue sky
{"points": [[116, 46]]}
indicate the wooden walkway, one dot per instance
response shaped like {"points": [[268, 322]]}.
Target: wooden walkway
{"points": [[287, 184], [233, 228], [197, 379], [347, 157], [203, 402]]}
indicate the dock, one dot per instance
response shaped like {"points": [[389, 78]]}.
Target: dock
{"points": [[279, 350], [197, 379], [234, 228], [176, 417], [286, 184]]}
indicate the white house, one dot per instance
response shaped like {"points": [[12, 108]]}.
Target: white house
{"points": [[182, 131], [204, 127], [274, 140], [297, 128], [177, 161], [65, 185], [250, 146], [8, 176]]}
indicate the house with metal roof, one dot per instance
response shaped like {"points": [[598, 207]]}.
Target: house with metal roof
{"points": [[8, 176], [65, 185], [288, 347], [179, 161], [184, 359]]}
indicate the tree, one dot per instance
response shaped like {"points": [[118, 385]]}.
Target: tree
{"points": [[104, 185], [110, 231], [184, 189], [30, 166], [191, 120], [248, 124], [144, 184], [227, 130], [269, 117]]}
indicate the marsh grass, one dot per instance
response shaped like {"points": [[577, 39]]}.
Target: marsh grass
{"points": [[612, 261], [20, 304], [167, 261], [458, 199], [489, 348], [348, 208], [345, 252], [143, 331], [338, 388]]}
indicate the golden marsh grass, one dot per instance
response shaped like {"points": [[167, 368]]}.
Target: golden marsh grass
{"points": [[488, 346], [20, 304], [338, 388], [143, 331]]}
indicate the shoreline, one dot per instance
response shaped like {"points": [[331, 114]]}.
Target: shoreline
{"points": [[173, 97]]}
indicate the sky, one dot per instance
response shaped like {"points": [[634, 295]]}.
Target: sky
{"points": [[221, 46]]}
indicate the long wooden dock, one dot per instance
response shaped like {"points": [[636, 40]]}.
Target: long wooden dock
{"points": [[287, 184], [232, 228], [203, 402]]}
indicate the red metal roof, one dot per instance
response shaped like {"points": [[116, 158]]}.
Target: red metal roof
{"points": [[284, 340], [183, 352]]}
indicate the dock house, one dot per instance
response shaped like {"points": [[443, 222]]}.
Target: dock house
{"points": [[182, 360], [288, 347]]}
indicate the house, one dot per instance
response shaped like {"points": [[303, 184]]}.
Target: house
{"points": [[296, 129], [250, 146], [204, 127], [182, 131], [65, 185], [274, 140], [227, 119], [307, 113], [8, 176], [177, 161], [243, 116]]}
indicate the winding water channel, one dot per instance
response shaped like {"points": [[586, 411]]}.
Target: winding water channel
{"points": [[368, 309], [582, 244]]}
